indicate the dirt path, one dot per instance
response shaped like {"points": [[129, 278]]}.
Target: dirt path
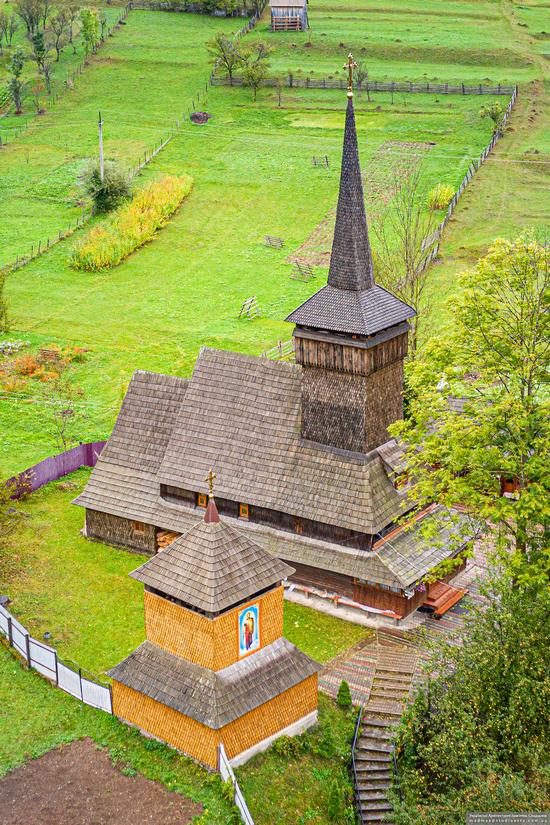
{"points": [[76, 784]]}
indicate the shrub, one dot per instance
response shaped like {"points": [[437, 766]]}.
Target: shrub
{"points": [[287, 746], [440, 196], [335, 803], [109, 193], [343, 698], [26, 365], [133, 225]]}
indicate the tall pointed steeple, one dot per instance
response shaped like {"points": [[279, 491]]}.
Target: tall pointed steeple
{"points": [[351, 258], [351, 302], [351, 336]]}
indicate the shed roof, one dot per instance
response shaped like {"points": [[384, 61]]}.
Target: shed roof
{"points": [[212, 567], [287, 4], [214, 698]]}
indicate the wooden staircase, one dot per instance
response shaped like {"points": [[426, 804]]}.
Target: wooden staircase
{"points": [[391, 686]]}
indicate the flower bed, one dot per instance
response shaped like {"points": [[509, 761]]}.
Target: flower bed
{"points": [[132, 225]]}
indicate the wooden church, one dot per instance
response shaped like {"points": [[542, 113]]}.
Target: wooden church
{"points": [[215, 668], [304, 460]]}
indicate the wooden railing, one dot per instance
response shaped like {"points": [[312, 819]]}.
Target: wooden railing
{"points": [[357, 795]]}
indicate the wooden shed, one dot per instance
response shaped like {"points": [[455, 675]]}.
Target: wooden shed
{"points": [[288, 15]]}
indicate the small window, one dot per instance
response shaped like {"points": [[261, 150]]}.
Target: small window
{"points": [[139, 527], [201, 500], [244, 511], [384, 586], [298, 527]]}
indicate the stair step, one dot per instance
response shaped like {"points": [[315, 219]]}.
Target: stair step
{"points": [[390, 708], [365, 785], [375, 818], [376, 733], [386, 677], [377, 723], [370, 775], [364, 758], [383, 692], [375, 806], [369, 745], [372, 795]]}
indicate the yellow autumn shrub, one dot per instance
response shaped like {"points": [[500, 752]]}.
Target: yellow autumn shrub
{"points": [[132, 225]]}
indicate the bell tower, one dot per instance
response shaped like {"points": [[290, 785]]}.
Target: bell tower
{"points": [[351, 336]]}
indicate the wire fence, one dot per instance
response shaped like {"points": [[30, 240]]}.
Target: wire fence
{"points": [[5, 99], [226, 772], [44, 659], [149, 155], [367, 86], [434, 239]]}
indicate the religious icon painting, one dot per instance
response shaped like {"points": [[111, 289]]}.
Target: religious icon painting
{"points": [[249, 629]]}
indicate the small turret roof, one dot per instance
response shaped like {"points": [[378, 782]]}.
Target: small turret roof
{"points": [[213, 566]]}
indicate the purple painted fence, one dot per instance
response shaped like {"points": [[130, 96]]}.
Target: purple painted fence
{"points": [[57, 466]]}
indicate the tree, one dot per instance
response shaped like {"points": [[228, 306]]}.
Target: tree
{"points": [[102, 19], [400, 232], [343, 697], [496, 433], [30, 12], [90, 29], [255, 65], [64, 412], [3, 28], [112, 191], [13, 25], [226, 54], [59, 25], [496, 113], [16, 86], [4, 324], [362, 76], [477, 734], [279, 85], [40, 53], [72, 12]]}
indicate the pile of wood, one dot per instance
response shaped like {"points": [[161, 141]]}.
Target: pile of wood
{"points": [[166, 537]]}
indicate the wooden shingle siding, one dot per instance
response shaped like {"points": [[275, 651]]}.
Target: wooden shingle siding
{"points": [[211, 643], [120, 531], [201, 742]]}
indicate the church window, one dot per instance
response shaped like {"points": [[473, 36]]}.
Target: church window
{"points": [[298, 526], [201, 500], [244, 511], [139, 527]]}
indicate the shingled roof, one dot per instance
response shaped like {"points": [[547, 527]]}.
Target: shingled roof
{"points": [[212, 566], [214, 698], [351, 302]]}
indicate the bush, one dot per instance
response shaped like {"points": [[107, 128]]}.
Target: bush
{"points": [[440, 196], [343, 698], [287, 746], [335, 804], [133, 225], [26, 365], [112, 191]]}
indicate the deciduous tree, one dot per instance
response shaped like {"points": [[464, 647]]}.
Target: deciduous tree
{"points": [[90, 29], [16, 87], [227, 56], [480, 414]]}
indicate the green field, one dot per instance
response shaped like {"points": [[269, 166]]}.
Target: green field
{"points": [[184, 291]]}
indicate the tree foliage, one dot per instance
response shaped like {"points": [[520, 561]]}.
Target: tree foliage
{"points": [[110, 192], [89, 22], [477, 735], [227, 56], [479, 412], [16, 86]]}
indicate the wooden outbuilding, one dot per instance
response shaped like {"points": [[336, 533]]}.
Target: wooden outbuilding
{"points": [[288, 15], [215, 668]]}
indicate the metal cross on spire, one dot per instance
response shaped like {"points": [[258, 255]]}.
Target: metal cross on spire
{"points": [[350, 66], [210, 478]]}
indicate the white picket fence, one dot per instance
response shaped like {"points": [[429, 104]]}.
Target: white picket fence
{"points": [[45, 660], [226, 772]]}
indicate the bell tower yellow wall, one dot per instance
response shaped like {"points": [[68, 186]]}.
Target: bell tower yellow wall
{"points": [[211, 643]]}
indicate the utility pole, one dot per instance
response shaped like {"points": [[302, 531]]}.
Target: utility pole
{"points": [[101, 163]]}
